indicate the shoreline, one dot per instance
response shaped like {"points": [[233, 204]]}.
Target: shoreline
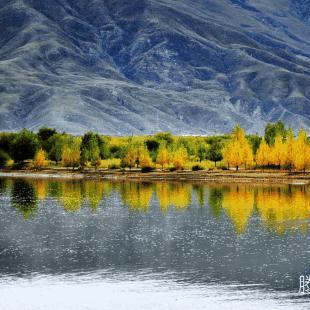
{"points": [[217, 176]]}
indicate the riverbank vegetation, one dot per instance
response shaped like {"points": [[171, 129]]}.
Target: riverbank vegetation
{"points": [[279, 148]]}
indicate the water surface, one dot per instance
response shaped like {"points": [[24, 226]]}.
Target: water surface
{"points": [[133, 245]]}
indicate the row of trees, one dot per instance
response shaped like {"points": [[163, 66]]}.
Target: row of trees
{"points": [[278, 148], [90, 149]]}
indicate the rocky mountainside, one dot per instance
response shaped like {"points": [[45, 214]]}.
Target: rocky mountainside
{"points": [[140, 66]]}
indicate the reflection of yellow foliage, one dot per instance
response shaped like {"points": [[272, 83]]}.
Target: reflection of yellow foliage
{"points": [[136, 195], [163, 195], [178, 195], [238, 202], [281, 210], [71, 196], [94, 192], [41, 188]]}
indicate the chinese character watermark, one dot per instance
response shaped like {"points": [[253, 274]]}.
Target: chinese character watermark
{"points": [[304, 284]]}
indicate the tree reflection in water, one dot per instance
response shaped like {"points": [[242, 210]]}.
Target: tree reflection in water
{"points": [[281, 208], [24, 198]]}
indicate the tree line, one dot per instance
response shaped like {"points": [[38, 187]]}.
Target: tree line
{"points": [[278, 148]]}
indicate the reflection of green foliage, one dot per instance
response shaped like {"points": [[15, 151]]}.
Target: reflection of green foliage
{"points": [[3, 186], [136, 196], [215, 201], [24, 198], [200, 194], [55, 189]]}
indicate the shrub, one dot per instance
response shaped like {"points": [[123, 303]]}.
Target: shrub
{"points": [[113, 163], [114, 166], [147, 169], [197, 168]]}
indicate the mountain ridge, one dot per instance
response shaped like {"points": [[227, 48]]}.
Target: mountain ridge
{"points": [[138, 67]]}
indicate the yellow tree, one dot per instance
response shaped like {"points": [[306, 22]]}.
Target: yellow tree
{"points": [[238, 151], [40, 159], [279, 152], [162, 156], [130, 156], [263, 154], [179, 158], [290, 142], [71, 153], [301, 157], [144, 157]]}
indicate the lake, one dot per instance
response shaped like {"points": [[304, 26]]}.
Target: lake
{"points": [[94, 244]]}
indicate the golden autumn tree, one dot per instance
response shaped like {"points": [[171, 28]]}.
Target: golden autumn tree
{"points": [[290, 142], [144, 157], [301, 150], [238, 151], [40, 159], [278, 152], [130, 157], [263, 154], [163, 156], [179, 158]]}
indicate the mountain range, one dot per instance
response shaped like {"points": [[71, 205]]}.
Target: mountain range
{"points": [[141, 66]]}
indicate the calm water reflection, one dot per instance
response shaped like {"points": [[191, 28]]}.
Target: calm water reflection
{"points": [[180, 244]]}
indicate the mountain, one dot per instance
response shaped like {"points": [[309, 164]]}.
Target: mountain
{"points": [[142, 66]]}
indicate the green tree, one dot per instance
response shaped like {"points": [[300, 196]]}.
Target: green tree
{"points": [[90, 149], [274, 130], [4, 157], [202, 152], [215, 152], [162, 137], [103, 145], [55, 146], [25, 145], [255, 142], [45, 133], [6, 142]]}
